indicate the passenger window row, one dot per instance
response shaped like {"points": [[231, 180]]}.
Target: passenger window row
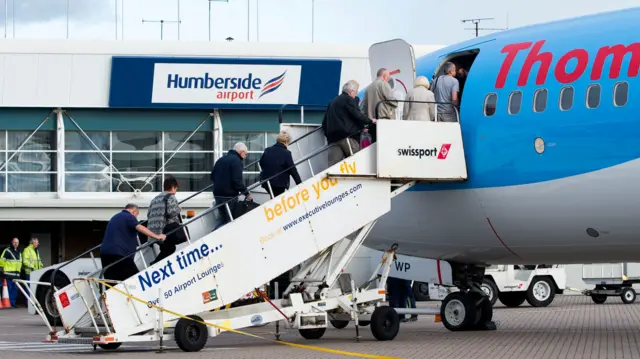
{"points": [[540, 97]]}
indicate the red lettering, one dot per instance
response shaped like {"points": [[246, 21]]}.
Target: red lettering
{"points": [[618, 52], [533, 57], [512, 51], [561, 67]]}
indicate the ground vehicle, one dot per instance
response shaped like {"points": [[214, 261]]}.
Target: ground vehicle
{"points": [[611, 280], [513, 284]]}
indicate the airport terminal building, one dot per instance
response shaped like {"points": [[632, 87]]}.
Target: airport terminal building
{"points": [[87, 127]]}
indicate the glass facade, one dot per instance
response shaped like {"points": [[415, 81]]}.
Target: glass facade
{"points": [[140, 160], [110, 151], [28, 166]]}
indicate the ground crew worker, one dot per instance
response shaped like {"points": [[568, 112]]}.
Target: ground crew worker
{"points": [[31, 258], [11, 262]]}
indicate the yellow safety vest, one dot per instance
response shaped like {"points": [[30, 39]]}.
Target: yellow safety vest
{"points": [[13, 265], [31, 259]]}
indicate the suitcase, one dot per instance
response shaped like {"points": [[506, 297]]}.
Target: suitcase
{"points": [[242, 207]]}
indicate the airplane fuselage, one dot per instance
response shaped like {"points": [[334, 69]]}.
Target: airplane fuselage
{"points": [[549, 181]]}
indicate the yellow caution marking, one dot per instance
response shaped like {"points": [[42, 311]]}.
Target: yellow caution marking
{"points": [[229, 329]]}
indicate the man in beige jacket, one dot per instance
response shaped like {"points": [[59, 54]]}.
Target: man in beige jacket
{"points": [[379, 90]]}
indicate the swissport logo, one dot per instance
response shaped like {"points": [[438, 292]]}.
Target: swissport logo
{"points": [[273, 84], [426, 152]]}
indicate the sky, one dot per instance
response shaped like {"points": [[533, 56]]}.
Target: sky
{"points": [[419, 22]]}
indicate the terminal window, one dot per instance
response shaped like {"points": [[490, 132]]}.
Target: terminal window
{"points": [[256, 143], [136, 160], [28, 161]]}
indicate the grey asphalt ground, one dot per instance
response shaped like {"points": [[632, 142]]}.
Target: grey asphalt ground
{"points": [[572, 327]]}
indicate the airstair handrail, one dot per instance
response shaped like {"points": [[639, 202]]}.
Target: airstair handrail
{"points": [[218, 205], [195, 194], [55, 271], [377, 108], [301, 106]]}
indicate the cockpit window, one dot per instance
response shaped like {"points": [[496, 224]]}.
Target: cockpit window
{"points": [[593, 96], [515, 102], [490, 102], [540, 100]]}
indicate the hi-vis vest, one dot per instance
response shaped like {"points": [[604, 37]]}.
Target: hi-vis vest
{"points": [[31, 259], [12, 265]]}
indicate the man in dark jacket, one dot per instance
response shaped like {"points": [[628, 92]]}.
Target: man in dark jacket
{"points": [[343, 122], [277, 159], [227, 180]]}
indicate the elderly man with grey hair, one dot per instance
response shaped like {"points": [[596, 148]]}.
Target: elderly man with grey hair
{"points": [[228, 182], [446, 88], [277, 161], [343, 123], [421, 110]]}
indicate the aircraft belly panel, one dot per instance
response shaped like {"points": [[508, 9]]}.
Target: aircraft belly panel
{"points": [[446, 225], [593, 217]]}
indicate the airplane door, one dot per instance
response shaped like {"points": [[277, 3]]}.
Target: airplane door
{"points": [[397, 56]]}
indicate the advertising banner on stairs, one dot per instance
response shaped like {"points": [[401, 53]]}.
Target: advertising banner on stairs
{"points": [[257, 247]]}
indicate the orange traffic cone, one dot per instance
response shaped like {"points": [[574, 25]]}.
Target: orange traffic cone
{"points": [[5, 295]]}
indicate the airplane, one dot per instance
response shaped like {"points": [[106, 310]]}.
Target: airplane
{"points": [[550, 131]]}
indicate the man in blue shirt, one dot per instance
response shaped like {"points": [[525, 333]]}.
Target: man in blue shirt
{"points": [[120, 241]]}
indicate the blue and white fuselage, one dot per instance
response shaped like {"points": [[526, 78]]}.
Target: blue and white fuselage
{"points": [[577, 201]]}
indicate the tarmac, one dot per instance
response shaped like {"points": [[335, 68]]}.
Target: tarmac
{"points": [[571, 327]]}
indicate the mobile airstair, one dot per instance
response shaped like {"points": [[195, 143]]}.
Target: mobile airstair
{"points": [[300, 226], [176, 298]]}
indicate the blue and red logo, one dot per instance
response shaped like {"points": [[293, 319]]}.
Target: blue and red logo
{"points": [[273, 84], [229, 88]]}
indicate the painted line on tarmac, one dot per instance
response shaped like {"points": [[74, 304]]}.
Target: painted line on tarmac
{"points": [[281, 342]]}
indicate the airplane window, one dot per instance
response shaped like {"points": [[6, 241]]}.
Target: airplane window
{"points": [[490, 102], [540, 100], [620, 93], [566, 98], [515, 101], [593, 96]]}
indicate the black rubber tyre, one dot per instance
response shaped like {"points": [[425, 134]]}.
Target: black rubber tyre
{"points": [[312, 334], [364, 323], [598, 298], [385, 323], [44, 296], [458, 311], [512, 299], [489, 286], [484, 310], [339, 324], [191, 336], [628, 295], [421, 291], [110, 346], [541, 292]]}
